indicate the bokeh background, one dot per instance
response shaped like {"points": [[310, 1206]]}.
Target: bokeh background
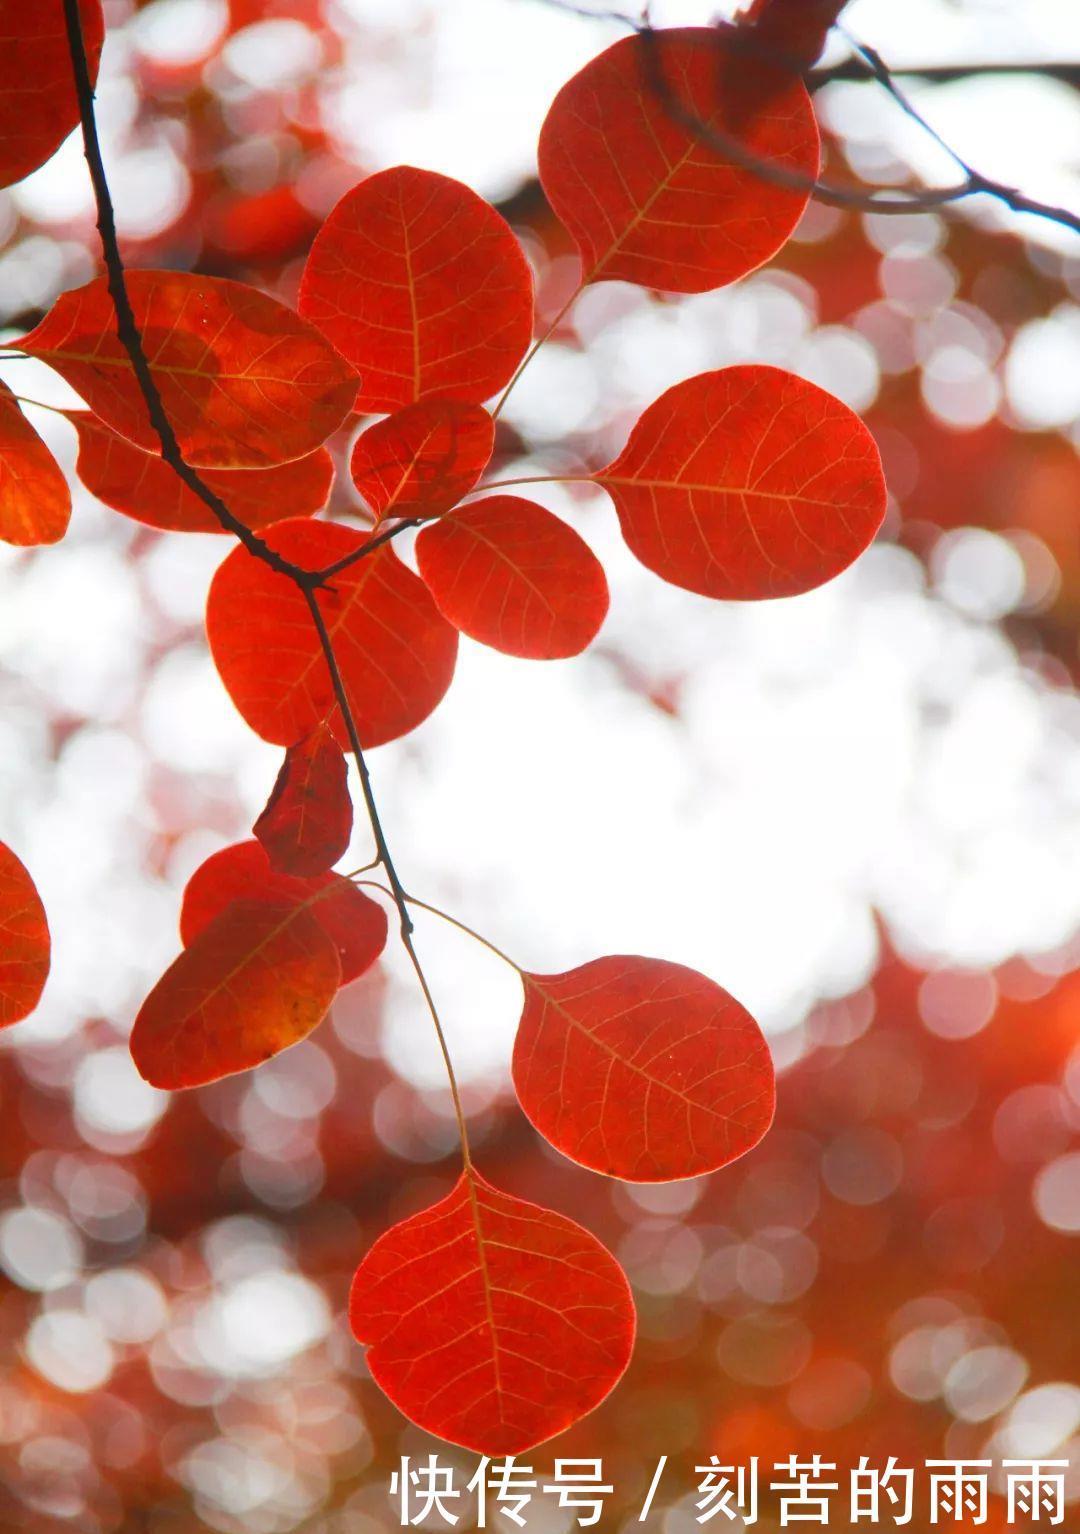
{"points": [[858, 810]]}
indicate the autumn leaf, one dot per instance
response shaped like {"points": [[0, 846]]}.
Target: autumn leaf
{"points": [[510, 574], [395, 651], [490, 1321], [421, 284], [355, 923], [244, 381], [626, 161], [38, 105], [25, 947], [421, 460], [258, 978], [642, 1069], [35, 502], [307, 822], [747, 483], [141, 485]]}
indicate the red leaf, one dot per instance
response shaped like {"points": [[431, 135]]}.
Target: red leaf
{"points": [[422, 286], [747, 483], [797, 29], [38, 105], [260, 977], [508, 573], [645, 196], [308, 818], [25, 947], [421, 460], [642, 1069], [243, 872], [243, 380], [143, 486], [492, 1322], [395, 651], [35, 502]]}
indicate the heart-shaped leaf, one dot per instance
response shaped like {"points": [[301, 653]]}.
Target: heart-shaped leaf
{"points": [[307, 822], [421, 460]]}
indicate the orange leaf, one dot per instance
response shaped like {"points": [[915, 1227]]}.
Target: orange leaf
{"points": [[422, 286], [508, 573], [308, 818], [421, 460], [492, 1322], [38, 105], [35, 502], [243, 380], [260, 977], [356, 924], [25, 947], [626, 163], [395, 651], [642, 1069], [143, 486], [747, 483]]}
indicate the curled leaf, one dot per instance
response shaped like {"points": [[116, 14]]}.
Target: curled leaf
{"points": [[642, 1069], [143, 486], [490, 1321], [421, 460], [747, 483], [394, 649], [421, 284], [35, 502], [308, 818], [632, 158], [244, 381], [508, 573], [25, 946], [356, 925], [258, 978]]}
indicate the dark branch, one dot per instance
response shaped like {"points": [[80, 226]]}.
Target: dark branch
{"points": [[131, 339]]}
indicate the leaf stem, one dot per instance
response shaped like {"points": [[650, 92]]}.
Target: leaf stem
{"points": [[535, 347]]}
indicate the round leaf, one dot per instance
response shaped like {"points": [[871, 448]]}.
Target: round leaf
{"points": [[38, 105], [356, 924], [35, 502], [747, 483], [421, 284], [25, 947], [642, 1069], [508, 573], [421, 460], [395, 651], [258, 978], [626, 159], [307, 822], [492, 1322]]}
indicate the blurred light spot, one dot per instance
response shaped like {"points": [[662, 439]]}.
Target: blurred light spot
{"points": [[959, 388], [111, 1098], [764, 1350], [1042, 377], [261, 1323], [70, 1350], [862, 1166], [129, 1305], [829, 1393], [1057, 1193], [1041, 1421], [1030, 1125], [983, 1382], [917, 285], [956, 1004], [978, 572], [297, 1084], [841, 361], [179, 32], [39, 1250], [106, 1201], [963, 1234], [661, 1256], [270, 55]]}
